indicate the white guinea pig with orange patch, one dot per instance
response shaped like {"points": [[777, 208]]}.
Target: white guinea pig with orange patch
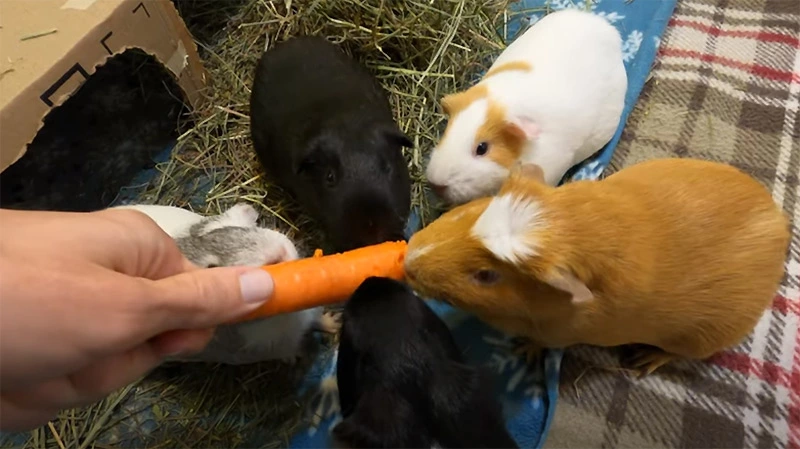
{"points": [[553, 98], [681, 255]]}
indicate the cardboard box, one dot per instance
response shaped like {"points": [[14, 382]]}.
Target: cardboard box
{"points": [[48, 48]]}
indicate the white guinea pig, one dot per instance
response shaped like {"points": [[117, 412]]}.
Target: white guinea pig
{"points": [[553, 97], [234, 238]]}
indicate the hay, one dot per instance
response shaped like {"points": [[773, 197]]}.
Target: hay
{"points": [[420, 50]]}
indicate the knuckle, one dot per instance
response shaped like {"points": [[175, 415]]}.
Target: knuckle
{"points": [[130, 317], [199, 294]]}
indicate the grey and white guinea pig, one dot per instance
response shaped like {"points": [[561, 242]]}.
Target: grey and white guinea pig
{"points": [[234, 238], [403, 381], [322, 127]]}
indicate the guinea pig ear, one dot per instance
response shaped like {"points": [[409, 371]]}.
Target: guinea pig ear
{"points": [[522, 128], [565, 280], [448, 103], [458, 101], [453, 103], [398, 137]]}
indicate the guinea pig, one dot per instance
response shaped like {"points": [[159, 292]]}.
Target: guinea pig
{"points": [[175, 221], [234, 238], [403, 381], [322, 127], [553, 98], [682, 255]]}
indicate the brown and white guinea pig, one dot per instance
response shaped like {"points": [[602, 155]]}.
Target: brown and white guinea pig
{"points": [[553, 98], [322, 127], [682, 255], [234, 238], [403, 381]]}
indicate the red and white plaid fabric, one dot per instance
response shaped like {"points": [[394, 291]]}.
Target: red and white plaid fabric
{"points": [[726, 88]]}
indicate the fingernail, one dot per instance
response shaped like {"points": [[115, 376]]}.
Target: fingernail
{"points": [[256, 286]]}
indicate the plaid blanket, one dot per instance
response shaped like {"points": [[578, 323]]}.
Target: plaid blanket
{"points": [[726, 88]]}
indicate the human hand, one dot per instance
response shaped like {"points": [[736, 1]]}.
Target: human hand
{"points": [[90, 302]]}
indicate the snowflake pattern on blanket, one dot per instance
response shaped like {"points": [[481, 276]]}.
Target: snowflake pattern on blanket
{"points": [[528, 393]]}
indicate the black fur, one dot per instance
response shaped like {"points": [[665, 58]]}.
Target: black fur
{"points": [[402, 380], [316, 116], [99, 139]]}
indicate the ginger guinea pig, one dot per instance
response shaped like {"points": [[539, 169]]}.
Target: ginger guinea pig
{"points": [[681, 255], [553, 97], [322, 127]]}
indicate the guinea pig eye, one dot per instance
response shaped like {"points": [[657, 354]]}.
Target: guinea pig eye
{"points": [[486, 277], [482, 148], [330, 177]]}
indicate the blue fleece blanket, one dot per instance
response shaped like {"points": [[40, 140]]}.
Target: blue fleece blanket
{"points": [[528, 393]]}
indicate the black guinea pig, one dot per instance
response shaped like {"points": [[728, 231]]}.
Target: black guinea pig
{"points": [[322, 127], [402, 380]]}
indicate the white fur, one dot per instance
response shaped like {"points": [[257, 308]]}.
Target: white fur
{"points": [[573, 99], [504, 227], [413, 254], [277, 337], [173, 220]]}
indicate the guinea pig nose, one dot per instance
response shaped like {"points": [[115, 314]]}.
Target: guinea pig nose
{"points": [[438, 189]]}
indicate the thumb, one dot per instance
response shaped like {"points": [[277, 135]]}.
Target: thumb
{"points": [[206, 298]]}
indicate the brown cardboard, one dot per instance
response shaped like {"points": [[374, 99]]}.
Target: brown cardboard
{"points": [[74, 38]]}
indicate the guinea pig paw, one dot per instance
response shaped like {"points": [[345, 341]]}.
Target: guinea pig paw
{"points": [[242, 214], [329, 322], [645, 360], [328, 395], [528, 349]]}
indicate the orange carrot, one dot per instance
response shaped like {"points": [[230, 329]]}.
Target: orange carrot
{"points": [[326, 280]]}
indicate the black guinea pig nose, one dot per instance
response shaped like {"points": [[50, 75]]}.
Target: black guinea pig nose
{"points": [[439, 190]]}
